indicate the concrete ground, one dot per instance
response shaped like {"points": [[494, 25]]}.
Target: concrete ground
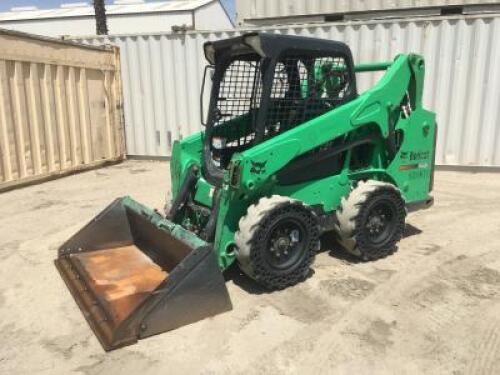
{"points": [[431, 308]]}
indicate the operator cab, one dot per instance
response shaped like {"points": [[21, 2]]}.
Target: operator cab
{"points": [[266, 84]]}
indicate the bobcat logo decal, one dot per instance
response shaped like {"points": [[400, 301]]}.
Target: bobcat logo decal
{"points": [[258, 167]]}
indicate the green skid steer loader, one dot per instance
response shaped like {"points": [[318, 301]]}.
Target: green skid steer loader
{"points": [[290, 150]]}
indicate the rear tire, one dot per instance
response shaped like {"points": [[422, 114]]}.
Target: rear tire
{"points": [[372, 220], [277, 241]]}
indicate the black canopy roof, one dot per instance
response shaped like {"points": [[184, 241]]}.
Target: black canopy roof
{"points": [[271, 45]]}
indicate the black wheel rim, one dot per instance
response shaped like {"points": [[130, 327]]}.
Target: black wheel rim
{"points": [[285, 244], [380, 222]]}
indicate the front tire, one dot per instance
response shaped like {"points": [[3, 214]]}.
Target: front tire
{"points": [[277, 241], [372, 220]]}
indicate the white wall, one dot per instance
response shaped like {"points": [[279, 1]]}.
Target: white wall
{"points": [[208, 17], [148, 23], [53, 27], [212, 17]]}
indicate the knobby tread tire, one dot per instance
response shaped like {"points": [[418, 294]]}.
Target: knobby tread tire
{"points": [[250, 241], [351, 212]]}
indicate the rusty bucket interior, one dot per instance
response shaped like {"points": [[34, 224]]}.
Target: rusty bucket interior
{"points": [[135, 274]]}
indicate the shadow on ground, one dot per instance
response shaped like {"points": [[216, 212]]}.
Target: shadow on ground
{"points": [[329, 244], [237, 276], [411, 230]]}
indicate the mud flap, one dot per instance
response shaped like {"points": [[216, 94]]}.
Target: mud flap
{"points": [[135, 274]]}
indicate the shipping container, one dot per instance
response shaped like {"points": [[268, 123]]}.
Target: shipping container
{"points": [[261, 12], [162, 76], [60, 108]]}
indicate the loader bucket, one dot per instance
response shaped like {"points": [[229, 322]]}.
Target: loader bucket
{"points": [[135, 274]]}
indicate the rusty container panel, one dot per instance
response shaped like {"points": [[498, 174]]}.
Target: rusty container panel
{"points": [[60, 108], [135, 274]]}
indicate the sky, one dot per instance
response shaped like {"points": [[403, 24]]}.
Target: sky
{"points": [[47, 4]]}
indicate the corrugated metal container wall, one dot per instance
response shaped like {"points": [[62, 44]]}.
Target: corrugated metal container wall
{"points": [[59, 108], [162, 77], [257, 9]]}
